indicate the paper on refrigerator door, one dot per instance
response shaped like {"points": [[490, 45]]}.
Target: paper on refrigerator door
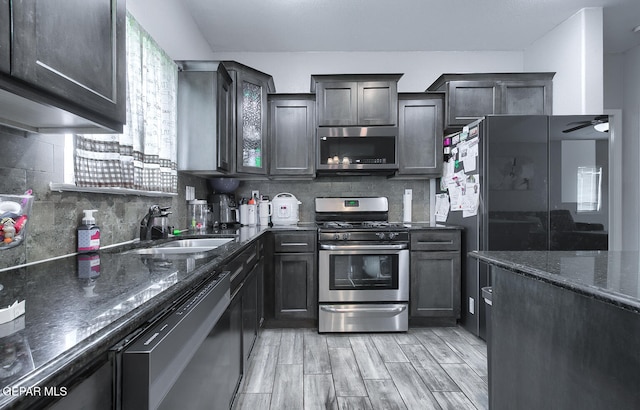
{"points": [[442, 207], [471, 198], [469, 155]]}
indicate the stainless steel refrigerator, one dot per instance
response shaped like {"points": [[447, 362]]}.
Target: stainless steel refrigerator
{"points": [[543, 183]]}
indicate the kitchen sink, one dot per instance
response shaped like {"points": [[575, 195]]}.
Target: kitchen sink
{"points": [[196, 243], [184, 246]]}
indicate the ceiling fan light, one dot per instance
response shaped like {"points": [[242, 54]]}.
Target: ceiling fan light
{"points": [[602, 127]]}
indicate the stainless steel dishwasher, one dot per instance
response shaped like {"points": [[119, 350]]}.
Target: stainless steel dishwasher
{"points": [[182, 360]]}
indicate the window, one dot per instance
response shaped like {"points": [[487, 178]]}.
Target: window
{"points": [[144, 156]]}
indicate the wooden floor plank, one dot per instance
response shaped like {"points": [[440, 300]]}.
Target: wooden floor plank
{"points": [[291, 347], [472, 385], [433, 376], [437, 347], [288, 387], [369, 361], [252, 401], [319, 393], [384, 395], [453, 400], [346, 376], [261, 369], [316, 354], [406, 339], [270, 337], [354, 403], [469, 354], [338, 340], [413, 391], [388, 348]]}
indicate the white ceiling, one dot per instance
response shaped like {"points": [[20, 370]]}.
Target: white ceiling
{"points": [[399, 25]]}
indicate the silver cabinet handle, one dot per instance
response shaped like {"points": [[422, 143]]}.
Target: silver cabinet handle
{"points": [[331, 309], [294, 244]]}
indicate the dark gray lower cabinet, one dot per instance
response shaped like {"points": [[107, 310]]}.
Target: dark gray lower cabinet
{"points": [[295, 286], [435, 274], [294, 276], [94, 392], [435, 284]]}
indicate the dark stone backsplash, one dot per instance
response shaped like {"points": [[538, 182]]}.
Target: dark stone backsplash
{"points": [[32, 162], [37, 160]]}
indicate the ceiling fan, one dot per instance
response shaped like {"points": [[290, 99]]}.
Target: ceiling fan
{"points": [[600, 123]]}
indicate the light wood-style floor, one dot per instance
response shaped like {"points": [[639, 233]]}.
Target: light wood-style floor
{"points": [[425, 368]]}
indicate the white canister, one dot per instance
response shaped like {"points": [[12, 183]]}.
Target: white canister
{"points": [[285, 209], [265, 210], [248, 214]]}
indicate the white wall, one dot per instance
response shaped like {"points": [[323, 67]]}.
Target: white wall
{"points": [[574, 50], [631, 150], [172, 27]]}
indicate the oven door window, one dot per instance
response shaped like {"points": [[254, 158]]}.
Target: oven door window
{"points": [[363, 272]]}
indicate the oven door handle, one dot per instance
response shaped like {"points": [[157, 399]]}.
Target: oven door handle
{"points": [[389, 247], [395, 309]]}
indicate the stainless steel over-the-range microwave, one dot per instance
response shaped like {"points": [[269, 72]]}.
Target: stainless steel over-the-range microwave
{"points": [[345, 149]]}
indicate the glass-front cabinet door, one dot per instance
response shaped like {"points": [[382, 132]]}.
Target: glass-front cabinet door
{"points": [[251, 89]]}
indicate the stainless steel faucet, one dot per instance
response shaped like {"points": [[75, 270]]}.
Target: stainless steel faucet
{"points": [[149, 229]]}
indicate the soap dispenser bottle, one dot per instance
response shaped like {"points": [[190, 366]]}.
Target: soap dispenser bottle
{"points": [[88, 233]]}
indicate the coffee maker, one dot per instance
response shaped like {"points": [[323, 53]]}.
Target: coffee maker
{"points": [[225, 212]]}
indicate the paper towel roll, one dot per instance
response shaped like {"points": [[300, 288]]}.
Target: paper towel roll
{"points": [[406, 207]]}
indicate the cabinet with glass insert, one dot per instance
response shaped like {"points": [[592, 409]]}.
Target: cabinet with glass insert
{"points": [[250, 98]]}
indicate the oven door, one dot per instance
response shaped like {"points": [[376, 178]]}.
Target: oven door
{"points": [[363, 273]]}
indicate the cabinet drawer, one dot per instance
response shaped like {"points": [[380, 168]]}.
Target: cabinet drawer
{"points": [[295, 242], [435, 240], [241, 265]]}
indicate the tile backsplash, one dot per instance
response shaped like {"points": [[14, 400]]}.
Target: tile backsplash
{"points": [[35, 160], [306, 191], [32, 162]]}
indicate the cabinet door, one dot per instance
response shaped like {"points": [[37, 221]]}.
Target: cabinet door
{"points": [[337, 103], [377, 103], [435, 284], [469, 100], [5, 37], [89, 70], [249, 314], [525, 97], [295, 283], [251, 123], [292, 126], [225, 123], [420, 136]]}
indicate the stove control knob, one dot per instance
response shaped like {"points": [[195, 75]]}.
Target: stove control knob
{"points": [[345, 236], [380, 235], [392, 235], [336, 236]]}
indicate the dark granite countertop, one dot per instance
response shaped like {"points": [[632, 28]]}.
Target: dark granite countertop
{"points": [[73, 316], [613, 277]]}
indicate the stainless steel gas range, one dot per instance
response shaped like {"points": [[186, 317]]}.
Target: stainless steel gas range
{"points": [[363, 266]]}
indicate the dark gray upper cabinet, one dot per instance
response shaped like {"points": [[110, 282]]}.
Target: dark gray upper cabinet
{"points": [[205, 118], [472, 96], [420, 134], [291, 134], [70, 55], [5, 36], [250, 98], [356, 100]]}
